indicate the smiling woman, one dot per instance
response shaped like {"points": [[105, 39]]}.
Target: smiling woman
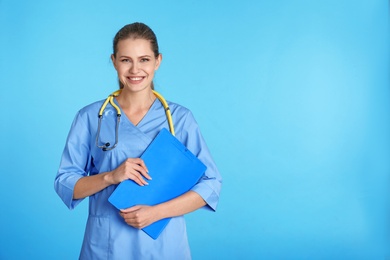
{"points": [[135, 64], [292, 98], [86, 170], [149, 47]]}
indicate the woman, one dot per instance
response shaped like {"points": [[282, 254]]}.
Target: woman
{"points": [[89, 171]]}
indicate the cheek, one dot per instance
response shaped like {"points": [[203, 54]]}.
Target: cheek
{"points": [[149, 68], [156, 65], [121, 69]]}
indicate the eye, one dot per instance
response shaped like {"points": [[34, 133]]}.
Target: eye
{"points": [[144, 60], [125, 60]]}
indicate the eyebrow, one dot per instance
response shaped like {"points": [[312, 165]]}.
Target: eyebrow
{"points": [[143, 56]]}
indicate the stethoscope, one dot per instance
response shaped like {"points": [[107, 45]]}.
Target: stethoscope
{"points": [[110, 99]]}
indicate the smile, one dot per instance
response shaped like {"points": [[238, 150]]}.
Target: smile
{"points": [[135, 80]]}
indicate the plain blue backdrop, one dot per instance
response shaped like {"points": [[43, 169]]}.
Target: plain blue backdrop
{"points": [[292, 98]]}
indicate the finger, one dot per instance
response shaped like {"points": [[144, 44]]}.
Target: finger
{"points": [[141, 167], [142, 171], [131, 172], [147, 176], [138, 165], [131, 209], [132, 219], [137, 177]]}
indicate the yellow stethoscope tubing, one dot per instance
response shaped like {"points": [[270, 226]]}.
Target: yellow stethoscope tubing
{"points": [[167, 111], [110, 99]]}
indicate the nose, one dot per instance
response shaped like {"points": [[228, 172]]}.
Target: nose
{"points": [[134, 68]]}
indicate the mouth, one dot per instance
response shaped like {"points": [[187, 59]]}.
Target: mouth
{"points": [[135, 80]]}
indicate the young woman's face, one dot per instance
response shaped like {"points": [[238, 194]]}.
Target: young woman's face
{"points": [[135, 63]]}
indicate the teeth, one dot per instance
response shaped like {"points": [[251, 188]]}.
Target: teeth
{"points": [[137, 78]]}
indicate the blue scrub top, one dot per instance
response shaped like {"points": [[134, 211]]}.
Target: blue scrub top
{"points": [[107, 236]]}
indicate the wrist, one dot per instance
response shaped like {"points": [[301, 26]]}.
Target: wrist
{"points": [[160, 211], [107, 178]]}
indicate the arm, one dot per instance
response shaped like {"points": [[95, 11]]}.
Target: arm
{"points": [[132, 168], [204, 194], [72, 182], [141, 216]]}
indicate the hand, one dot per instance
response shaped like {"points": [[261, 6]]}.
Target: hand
{"points": [[131, 169], [139, 216]]}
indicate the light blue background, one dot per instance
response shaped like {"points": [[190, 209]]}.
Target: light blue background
{"points": [[292, 98]]}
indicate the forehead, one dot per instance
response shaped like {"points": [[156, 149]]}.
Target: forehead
{"points": [[134, 47]]}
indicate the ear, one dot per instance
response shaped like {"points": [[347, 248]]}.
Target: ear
{"points": [[158, 61], [113, 60]]}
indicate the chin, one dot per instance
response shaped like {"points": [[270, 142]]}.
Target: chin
{"points": [[138, 88]]}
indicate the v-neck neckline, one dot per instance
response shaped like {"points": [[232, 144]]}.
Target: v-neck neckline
{"points": [[142, 119]]}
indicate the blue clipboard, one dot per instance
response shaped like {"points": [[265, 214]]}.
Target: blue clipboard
{"points": [[174, 171]]}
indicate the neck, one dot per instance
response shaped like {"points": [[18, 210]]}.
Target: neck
{"points": [[135, 105], [133, 101]]}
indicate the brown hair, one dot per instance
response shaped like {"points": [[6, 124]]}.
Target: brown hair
{"points": [[136, 31]]}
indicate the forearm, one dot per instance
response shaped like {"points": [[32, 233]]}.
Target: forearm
{"points": [[132, 168], [90, 185], [181, 205]]}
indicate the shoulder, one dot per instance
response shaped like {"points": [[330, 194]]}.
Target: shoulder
{"points": [[88, 114], [180, 112], [176, 108], [182, 117], [92, 108]]}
